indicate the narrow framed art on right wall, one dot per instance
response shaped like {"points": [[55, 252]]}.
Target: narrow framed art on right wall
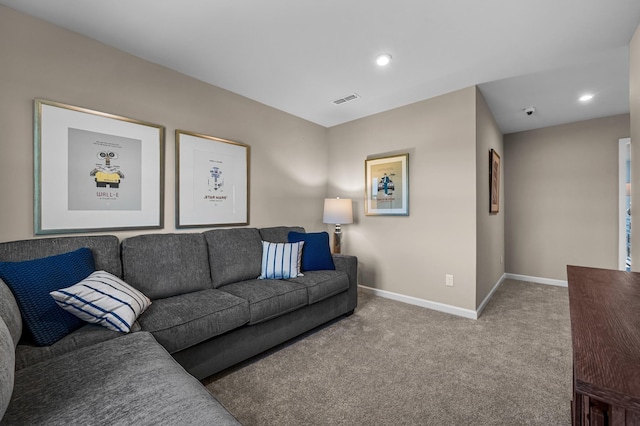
{"points": [[494, 181]]}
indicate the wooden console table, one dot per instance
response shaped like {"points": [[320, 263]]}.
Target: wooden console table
{"points": [[605, 329]]}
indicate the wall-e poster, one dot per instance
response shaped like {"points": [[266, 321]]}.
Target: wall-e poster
{"points": [[105, 171]]}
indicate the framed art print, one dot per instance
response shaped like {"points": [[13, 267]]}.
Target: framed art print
{"points": [[212, 181], [494, 182], [387, 186], [95, 171]]}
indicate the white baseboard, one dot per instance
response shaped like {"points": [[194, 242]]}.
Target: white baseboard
{"points": [[436, 306], [537, 280], [490, 295], [455, 310]]}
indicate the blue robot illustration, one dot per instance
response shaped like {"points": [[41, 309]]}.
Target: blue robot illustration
{"points": [[386, 184], [215, 181]]}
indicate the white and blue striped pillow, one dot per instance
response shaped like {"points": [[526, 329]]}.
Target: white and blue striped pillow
{"points": [[281, 260], [104, 299]]}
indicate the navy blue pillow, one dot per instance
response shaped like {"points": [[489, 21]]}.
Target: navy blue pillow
{"points": [[32, 280], [316, 254]]}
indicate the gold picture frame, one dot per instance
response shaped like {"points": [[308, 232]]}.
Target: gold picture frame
{"points": [[494, 182], [95, 171], [387, 186], [212, 181]]}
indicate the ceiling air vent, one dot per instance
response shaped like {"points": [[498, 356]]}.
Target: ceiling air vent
{"points": [[351, 97]]}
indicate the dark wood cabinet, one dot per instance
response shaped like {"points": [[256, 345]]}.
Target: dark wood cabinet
{"points": [[605, 333]]}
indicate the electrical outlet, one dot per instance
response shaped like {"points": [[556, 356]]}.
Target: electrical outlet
{"points": [[501, 260], [449, 280]]}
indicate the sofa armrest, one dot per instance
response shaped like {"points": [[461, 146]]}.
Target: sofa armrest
{"points": [[349, 264]]}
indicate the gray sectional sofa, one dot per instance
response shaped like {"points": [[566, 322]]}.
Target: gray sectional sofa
{"points": [[209, 311]]}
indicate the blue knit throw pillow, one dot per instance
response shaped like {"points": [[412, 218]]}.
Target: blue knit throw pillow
{"points": [[316, 254], [31, 281]]}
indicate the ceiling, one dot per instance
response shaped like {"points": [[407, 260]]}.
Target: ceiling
{"points": [[300, 55]]}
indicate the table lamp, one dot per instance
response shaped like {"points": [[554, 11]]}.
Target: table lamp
{"points": [[338, 211]]}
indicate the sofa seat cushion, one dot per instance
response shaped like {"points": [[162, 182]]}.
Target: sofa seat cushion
{"points": [[187, 319], [323, 284], [123, 381], [269, 298], [89, 334]]}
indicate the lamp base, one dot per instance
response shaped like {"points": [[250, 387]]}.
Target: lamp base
{"points": [[337, 240]]}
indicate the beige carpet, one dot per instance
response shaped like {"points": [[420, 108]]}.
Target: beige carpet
{"points": [[396, 364]]}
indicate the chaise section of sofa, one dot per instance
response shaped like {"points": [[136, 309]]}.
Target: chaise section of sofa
{"points": [[130, 379], [123, 381], [93, 375]]}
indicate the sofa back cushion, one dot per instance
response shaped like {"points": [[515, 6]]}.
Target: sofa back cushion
{"points": [[234, 255], [7, 366], [279, 234], [165, 265], [105, 249]]}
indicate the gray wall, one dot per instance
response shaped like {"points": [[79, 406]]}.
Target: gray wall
{"points": [[411, 255], [634, 101], [39, 60], [561, 197], [490, 226]]}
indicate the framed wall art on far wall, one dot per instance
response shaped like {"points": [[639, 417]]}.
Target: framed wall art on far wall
{"points": [[95, 171], [387, 186], [212, 181], [494, 182]]}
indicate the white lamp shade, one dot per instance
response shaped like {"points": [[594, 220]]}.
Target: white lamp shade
{"points": [[338, 211]]}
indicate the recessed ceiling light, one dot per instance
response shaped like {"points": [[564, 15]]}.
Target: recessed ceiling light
{"points": [[383, 59], [586, 97]]}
